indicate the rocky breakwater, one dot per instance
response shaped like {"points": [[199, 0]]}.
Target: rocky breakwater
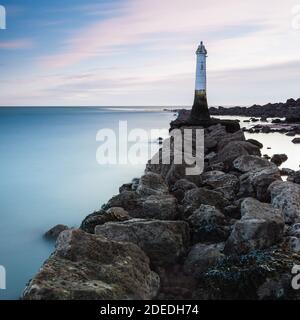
{"points": [[231, 232]]}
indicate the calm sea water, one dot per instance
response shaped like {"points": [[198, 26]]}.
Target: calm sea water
{"points": [[49, 175]]}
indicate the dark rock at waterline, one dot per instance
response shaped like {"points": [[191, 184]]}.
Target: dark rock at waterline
{"points": [[102, 216], [294, 177], [256, 143], [290, 110], [279, 159], [296, 140], [54, 232], [89, 267]]}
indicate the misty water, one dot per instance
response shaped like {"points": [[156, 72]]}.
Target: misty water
{"points": [[49, 175]]}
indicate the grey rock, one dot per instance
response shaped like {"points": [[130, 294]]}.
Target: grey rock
{"points": [[260, 227], [89, 267], [163, 241], [101, 217], [151, 184], [286, 196], [208, 224], [201, 258], [195, 197], [226, 184], [54, 232], [251, 163], [235, 149], [255, 183], [160, 207], [294, 230]]}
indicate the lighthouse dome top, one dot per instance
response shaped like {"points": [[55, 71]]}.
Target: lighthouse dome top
{"points": [[201, 49]]}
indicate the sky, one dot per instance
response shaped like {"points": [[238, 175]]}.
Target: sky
{"points": [[142, 52]]}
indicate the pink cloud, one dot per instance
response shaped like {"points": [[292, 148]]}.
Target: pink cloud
{"points": [[16, 44]]}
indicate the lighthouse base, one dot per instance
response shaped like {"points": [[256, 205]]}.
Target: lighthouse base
{"points": [[200, 110]]}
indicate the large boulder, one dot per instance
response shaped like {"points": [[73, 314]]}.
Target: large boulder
{"points": [[151, 184], [260, 227], [251, 163], [160, 207], [89, 267], [226, 184], [286, 196], [208, 224], [236, 136], [163, 241], [202, 257], [129, 201], [181, 187], [195, 197], [255, 183], [258, 275], [101, 217], [234, 149]]}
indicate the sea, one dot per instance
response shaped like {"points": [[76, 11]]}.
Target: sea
{"points": [[50, 174]]}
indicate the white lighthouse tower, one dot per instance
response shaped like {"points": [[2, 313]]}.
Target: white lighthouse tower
{"points": [[200, 107], [201, 69]]}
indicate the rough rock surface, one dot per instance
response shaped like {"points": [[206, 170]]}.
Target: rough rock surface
{"points": [[151, 184], [101, 217], [89, 267], [54, 232], [286, 196], [195, 197], [208, 224], [163, 241], [261, 226], [201, 257]]}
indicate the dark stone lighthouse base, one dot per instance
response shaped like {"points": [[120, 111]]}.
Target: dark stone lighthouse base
{"points": [[185, 119]]}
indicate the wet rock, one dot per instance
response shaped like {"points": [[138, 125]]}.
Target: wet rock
{"points": [[208, 224], [291, 134], [287, 172], [279, 159], [201, 258], [286, 196], [261, 226], [226, 184], [249, 163], [256, 143], [232, 211], [151, 184], [296, 140], [294, 230], [293, 244], [266, 129], [129, 201], [89, 267], [258, 275], [54, 232], [235, 149], [255, 183], [195, 197], [160, 207], [163, 241], [102, 216], [294, 177], [237, 136], [180, 187]]}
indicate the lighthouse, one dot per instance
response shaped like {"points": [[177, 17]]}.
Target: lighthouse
{"points": [[200, 110]]}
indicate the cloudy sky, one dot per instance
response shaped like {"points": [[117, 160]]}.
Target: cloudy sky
{"points": [[142, 52]]}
